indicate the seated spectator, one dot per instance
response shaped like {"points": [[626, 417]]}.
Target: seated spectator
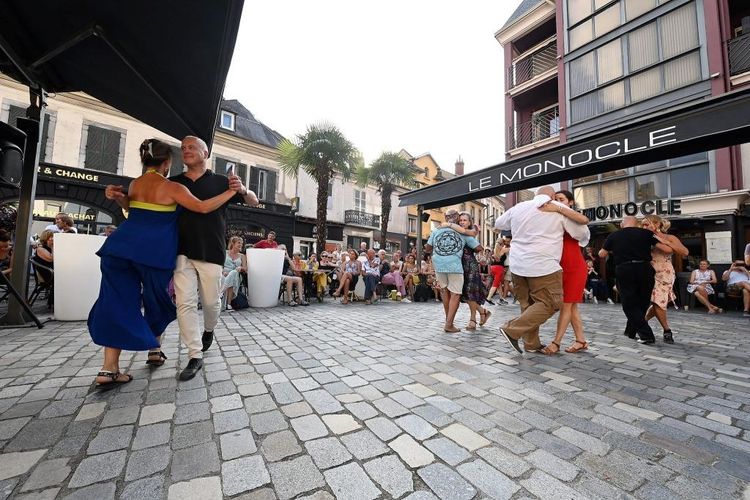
{"points": [[62, 221], [269, 242], [336, 256], [411, 271], [738, 282], [319, 278], [700, 283], [370, 271], [430, 276], [595, 287], [108, 231], [348, 275], [394, 276], [290, 280], [235, 264]]}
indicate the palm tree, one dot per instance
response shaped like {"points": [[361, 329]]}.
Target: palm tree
{"points": [[387, 172], [323, 152]]}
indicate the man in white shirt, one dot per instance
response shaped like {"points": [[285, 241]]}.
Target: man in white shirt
{"points": [[535, 260], [63, 223]]}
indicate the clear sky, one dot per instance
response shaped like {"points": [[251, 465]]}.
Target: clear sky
{"points": [[423, 75]]}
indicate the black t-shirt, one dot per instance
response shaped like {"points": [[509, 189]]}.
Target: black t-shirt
{"points": [[630, 243], [203, 236]]}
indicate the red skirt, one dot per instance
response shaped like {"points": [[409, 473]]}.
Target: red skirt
{"points": [[574, 272]]}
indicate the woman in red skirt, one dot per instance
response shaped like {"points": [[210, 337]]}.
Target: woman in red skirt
{"points": [[574, 279]]}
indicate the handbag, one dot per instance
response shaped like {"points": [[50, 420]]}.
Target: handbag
{"points": [[239, 302]]}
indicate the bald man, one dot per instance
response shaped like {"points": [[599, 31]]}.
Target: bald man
{"points": [[631, 246], [535, 260]]}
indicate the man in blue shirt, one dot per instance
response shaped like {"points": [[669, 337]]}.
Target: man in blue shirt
{"points": [[447, 246]]}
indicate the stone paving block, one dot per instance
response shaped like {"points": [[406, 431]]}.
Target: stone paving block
{"points": [[143, 463], [192, 396], [341, 424], [292, 477], [111, 439], [309, 427], [156, 413], [322, 402], [266, 423], [391, 475], [364, 444], [151, 488], [38, 434], [244, 474], [193, 462], [192, 413], [390, 408], [327, 452], [279, 446], [383, 428], [253, 389], [236, 444], [487, 479], [259, 404], [421, 495], [48, 494], [411, 452], [92, 410], [361, 410], [61, 408], [9, 428], [419, 390], [48, 473], [16, 464], [447, 450], [98, 491], [506, 462], [416, 426], [552, 465], [583, 441], [349, 482], [98, 468], [296, 409], [465, 437], [446, 483], [222, 389], [231, 420], [7, 486], [205, 488], [406, 399], [444, 404], [184, 436], [286, 393], [545, 486]]}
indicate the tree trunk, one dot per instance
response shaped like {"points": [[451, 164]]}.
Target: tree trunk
{"points": [[323, 179], [385, 211]]}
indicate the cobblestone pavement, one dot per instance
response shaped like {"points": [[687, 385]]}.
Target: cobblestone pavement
{"points": [[362, 402]]}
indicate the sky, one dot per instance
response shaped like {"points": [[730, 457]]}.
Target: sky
{"points": [[422, 75]]}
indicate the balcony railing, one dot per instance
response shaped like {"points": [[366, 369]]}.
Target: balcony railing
{"points": [[363, 219], [533, 65], [739, 54], [543, 125]]}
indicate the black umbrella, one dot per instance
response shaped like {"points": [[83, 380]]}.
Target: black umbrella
{"points": [[163, 62]]}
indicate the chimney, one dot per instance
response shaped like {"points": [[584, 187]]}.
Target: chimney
{"points": [[459, 166]]}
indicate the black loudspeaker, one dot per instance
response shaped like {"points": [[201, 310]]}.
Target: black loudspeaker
{"points": [[425, 216], [12, 144]]}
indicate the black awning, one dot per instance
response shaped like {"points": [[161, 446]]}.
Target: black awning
{"points": [[162, 62], [709, 124]]}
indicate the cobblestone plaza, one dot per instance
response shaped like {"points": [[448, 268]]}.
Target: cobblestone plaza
{"points": [[361, 402]]}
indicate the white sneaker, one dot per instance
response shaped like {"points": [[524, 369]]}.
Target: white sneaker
{"points": [[609, 301], [406, 300], [596, 301]]}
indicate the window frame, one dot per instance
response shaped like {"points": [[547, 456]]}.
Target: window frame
{"points": [[232, 117], [87, 124], [360, 200]]}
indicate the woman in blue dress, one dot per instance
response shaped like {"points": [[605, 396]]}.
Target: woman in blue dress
{"points": [[137, 262]]}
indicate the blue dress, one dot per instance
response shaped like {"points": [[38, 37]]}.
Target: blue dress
{"points": [[137, 262]]}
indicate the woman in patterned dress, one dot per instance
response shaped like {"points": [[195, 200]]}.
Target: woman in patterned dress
{"points": [[663, 292]]}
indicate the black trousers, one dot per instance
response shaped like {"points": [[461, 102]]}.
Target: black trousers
{"points": [[635, 282]]}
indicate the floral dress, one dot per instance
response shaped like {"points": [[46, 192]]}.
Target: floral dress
{"points": [[664, 277], [474, 287]]}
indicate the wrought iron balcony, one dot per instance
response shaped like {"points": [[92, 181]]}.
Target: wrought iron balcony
{"points": [[363, 219], [739, 54], [543, 125], [533, 65]]}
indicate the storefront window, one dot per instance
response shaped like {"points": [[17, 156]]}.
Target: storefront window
{"points": [[690, 180], [651, 187], [586, 197], [86, 220], [614, 192]]}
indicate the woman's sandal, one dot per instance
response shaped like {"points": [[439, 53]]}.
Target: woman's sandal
{"points": [[484, 317], [472, 325], [114, 376], [668, 337], [451, 330], [550, 352], [573, 350], [156, 358]]}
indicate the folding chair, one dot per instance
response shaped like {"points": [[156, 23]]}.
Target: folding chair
{"points": [[44, 283]]}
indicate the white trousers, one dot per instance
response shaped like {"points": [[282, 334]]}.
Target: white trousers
{"points": [[191, 278]]}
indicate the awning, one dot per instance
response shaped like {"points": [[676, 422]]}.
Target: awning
{"points": [[162, 62], [709, 124]]}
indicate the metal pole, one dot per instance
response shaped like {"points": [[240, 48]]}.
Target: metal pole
{"points": [[419, 234], [33, 129]]}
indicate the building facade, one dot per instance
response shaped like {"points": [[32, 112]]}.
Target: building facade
{"points": [[576, 67], [87, 145]]}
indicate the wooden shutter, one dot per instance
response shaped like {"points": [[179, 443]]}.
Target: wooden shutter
{"points": [[254, 179], [16, 112], [220, 165], [270, 186], [242, 172], [102, 149], [177, 166]]}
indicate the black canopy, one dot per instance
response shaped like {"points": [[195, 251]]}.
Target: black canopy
{"points": [[163, 62], [699, 126]]}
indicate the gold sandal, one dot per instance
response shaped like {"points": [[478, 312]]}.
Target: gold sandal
{"points": [[484, 317], [550, 352], [470, 327]]}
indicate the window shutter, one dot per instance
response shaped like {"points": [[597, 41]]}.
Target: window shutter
{"points": [[220, 165], [94, 144], [254, 179], [45, 139], [271, 186], [14, 112], [242, 172], [102, 149]]}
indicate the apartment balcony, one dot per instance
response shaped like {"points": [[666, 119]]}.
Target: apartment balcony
{"points": [[543, 126], [534, 65], [739, 55], [363, 219]]}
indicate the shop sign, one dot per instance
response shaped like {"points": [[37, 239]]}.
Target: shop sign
{"points": [[620, 210], [65, 173], [50, 214]]}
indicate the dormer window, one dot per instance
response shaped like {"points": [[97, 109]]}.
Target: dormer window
{"points": [[227, 120]]}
